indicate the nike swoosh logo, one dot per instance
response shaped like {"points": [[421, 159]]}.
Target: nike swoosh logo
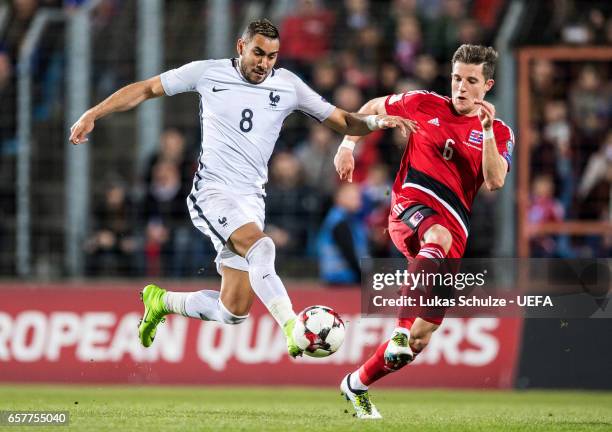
{"points": [[215, 89]]}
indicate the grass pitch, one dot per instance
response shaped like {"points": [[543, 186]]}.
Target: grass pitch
{"points": [[288, 409]]}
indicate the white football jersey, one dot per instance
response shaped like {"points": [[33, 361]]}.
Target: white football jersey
{"points": [[241, 121]]}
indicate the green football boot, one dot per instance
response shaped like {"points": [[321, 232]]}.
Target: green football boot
{"points": [[154, 312], [292, 348], [362, 404], [398, 353]]}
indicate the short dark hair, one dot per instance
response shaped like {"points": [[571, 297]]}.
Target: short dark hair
{"points": [[477, 54], [262, 27]]}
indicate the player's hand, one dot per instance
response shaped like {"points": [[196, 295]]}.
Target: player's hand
{"points": [[404, 125], [80, 130], [486, 113], [345, 164]]}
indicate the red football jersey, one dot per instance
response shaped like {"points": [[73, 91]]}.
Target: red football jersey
{"points": [[443, 160]]}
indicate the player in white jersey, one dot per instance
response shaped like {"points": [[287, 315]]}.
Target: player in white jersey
{"points": [[243, 103]]}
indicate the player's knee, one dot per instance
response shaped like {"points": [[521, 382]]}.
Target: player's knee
{"points": [[262, 253], [234, 316], [418, 344], [419, 338], [439, 235]]}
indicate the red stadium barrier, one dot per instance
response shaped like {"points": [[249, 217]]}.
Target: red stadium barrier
{"points": [[89, 334]]}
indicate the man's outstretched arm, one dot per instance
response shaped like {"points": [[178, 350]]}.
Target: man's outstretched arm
{"points": [[344, 160], [123, 99], [362, 123]]}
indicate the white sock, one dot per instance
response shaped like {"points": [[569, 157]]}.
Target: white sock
{"points": [[199, 304], [175, 301], [266, 283], [281, 309], [355, 381]]}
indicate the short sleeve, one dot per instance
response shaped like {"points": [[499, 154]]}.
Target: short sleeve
{"points": [[309, 101], [504, 138], [183, 79], [404, 104]]}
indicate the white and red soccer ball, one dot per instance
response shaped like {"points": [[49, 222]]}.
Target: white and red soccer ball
{"points": [[319, 331]]}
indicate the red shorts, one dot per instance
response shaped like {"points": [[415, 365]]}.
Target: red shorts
{"points": [[408, 241]]}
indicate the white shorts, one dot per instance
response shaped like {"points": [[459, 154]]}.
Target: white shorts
{"points": [[218, 213]]}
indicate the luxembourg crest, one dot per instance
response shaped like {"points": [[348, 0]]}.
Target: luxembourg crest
{"points": [[475, 137]]}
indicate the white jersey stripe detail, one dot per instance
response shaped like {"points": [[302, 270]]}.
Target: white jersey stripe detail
{"points": [[426, 255], [444, 203], [432, 251]]}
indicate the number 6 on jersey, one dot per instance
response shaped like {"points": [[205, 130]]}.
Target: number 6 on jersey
{"points": [[448, 150]]}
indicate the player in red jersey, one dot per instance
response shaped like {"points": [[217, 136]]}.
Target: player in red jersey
{"points": [[459, 146]]}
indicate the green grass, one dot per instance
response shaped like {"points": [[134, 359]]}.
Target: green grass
{"points": [[288, 409]]}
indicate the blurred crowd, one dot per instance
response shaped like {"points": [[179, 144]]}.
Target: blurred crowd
{"points": [[349, 51], [571, 159]]}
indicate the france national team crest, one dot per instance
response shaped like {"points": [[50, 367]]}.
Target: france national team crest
{"points": [[475, 137], [274, 99]]}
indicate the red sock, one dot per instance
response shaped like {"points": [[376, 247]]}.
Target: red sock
{"points": [[375, 367], [427, 261]]}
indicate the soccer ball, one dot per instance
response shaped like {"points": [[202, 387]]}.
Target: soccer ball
{"points": [[319, 331]]}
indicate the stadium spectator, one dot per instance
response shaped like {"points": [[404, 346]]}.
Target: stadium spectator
{"points": [[594, 192], [545, 87], [343, 239], [486, 12], [291, 207], [376, 190], [388, 77], [353, 72], [369, 54], [543, 208], [426, 72], [7, 106], [469, 32], [348, 97], [8, 149], [443, 30], [397, 10], [306, 36], [590, 102], [111, 248], [598, 171], [316, 156], [113, 41], [557, 131], [408, 43], [353, 16], [484, 218], [325, 78], [172, 148], [165, 213], [22, 13]]}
